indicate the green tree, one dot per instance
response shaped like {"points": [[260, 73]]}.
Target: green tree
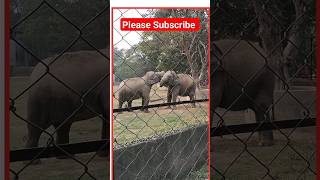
{"points": [[184, 52], [46, 33]]}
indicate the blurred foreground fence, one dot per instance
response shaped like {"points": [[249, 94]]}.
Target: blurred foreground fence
{"points": [[171, 142], [51, 29], [274, 42], [49, 33]]}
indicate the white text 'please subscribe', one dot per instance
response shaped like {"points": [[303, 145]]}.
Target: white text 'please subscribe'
{"points": [[160, 24]]}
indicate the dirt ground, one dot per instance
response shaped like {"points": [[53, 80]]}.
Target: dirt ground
{"points": [[160, 120], [286, 159]]}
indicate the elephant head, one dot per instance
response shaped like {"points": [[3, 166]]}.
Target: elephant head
{"points": [[168, 79], [151, 77], [160, 74]]}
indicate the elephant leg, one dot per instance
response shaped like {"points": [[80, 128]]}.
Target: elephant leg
{"points": [[34, 134], [169, 97], [265, 137], [104, 151], [130, 105], [192, 99], [145, 104], [174, 97], [63, 137], [37, 116], [120, 105], [216, 97], [142, 104]]}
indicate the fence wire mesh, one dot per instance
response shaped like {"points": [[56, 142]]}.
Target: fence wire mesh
{"points": [[257, 45], [165, 76], [42, 28], [68, 40]]}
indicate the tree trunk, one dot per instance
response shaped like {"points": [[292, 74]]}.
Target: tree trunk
{"points": [[204, 62], [295, 41], [270, 22], [188, 48]]}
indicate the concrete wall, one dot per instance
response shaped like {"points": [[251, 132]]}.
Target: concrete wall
{"points": [[288, 107], [172, 156], [296, 106]]}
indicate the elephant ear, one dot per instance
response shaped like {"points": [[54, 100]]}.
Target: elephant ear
{"points": [[161, 74], [151, 78], [174, 78]]}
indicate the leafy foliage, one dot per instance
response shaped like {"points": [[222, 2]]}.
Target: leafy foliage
{"points": [[164, 51], [46, 33]]}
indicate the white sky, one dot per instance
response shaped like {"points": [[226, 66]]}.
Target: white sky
{"points": [[133, 37], [160, 3], [124, 39]]}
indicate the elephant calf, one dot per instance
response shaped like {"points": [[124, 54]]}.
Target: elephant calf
{"points": [[138, 87], [178, 85]]}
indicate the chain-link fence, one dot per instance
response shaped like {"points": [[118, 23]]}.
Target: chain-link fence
{"points": [[74, 30], [263, 60], [68, 40], [160, 98]]}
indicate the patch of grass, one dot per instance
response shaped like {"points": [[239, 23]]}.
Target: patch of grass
{"points": [[280, 160], [201, 174], [130, 126]]}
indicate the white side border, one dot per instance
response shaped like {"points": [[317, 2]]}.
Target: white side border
{"points": [[111, 95], [141, 4], [160, 3]]}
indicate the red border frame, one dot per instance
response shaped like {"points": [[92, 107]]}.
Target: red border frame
{"points": [[112, 77], [317, 92], [6, 89]]}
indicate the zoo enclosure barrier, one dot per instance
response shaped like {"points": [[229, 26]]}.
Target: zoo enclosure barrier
{"points": [[42, 29], [52, 149], [170, 141], [291, 28], [55, 150]]}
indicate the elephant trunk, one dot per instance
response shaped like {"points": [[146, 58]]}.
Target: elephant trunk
{"points": [[161, 83]]}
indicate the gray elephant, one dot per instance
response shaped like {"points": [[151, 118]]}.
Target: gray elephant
{"points": [[74, 87], [240, 80], [138, 87], [178, 85]]}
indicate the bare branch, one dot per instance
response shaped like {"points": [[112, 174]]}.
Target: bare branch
{"points": [[193, 41]]}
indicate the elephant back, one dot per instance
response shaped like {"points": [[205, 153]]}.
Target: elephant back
{"points": [[78, 70], [239, 56], [186, 81]]}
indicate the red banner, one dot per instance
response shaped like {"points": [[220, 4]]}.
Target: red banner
{"points": [[160, 24]]}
